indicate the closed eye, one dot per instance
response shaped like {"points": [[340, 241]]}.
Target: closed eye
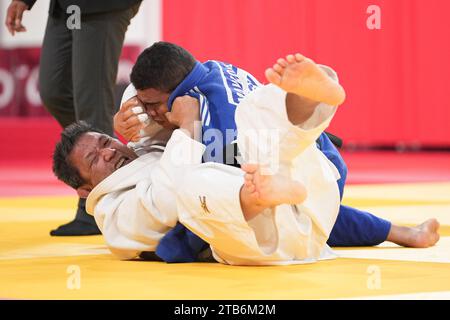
{"points": [[106, 141], [152, 105]]}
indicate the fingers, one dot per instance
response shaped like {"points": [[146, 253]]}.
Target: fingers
{"points": [[135, 138], [169, 117], [130, 119], [133, 102], [14, 17], [130, 133], [130, 110], [18, 21], [10, 18]]}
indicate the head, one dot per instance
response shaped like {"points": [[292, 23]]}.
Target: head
{"points": [[85, 156], [159, 69]]}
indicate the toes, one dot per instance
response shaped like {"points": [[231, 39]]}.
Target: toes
{"points": [[272, 76], [299, 57], [278, 68], [290, 58], [248, 178], [437, 237], [436, 224], [282, 62]]}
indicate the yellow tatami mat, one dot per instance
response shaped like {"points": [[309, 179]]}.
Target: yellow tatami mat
{"points": [[36, 266]]}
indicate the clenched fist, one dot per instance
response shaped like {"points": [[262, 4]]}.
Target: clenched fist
{"points": [[185, 110], [185, 115]]}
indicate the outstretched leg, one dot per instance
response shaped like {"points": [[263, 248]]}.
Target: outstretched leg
{"points": [[422, 236], [260, 192]]}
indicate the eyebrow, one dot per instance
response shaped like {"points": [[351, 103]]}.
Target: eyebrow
{"points": [[152, 103], [90, 155]]}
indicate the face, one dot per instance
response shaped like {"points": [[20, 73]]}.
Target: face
{"points": [[155, 103], [96, 156]]}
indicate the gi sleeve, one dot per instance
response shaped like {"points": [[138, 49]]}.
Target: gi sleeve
{"points": [[180, 154], [131, 222]]}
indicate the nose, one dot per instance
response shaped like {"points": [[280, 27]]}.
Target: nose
{"points": [[107, 153]]}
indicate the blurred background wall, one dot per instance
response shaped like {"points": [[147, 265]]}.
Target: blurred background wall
{"points": [[395, 76]]}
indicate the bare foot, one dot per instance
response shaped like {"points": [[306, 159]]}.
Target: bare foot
{"points": [[271, 190], [302, 76], [422, 236]]}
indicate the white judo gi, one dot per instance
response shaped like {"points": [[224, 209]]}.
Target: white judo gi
{"points": [[136, 205]]}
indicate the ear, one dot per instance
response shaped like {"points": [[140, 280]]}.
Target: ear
{"points": [[83, 191]]}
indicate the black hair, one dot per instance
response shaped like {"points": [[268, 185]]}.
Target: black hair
{"points": [[62, 168], [161, 66]]}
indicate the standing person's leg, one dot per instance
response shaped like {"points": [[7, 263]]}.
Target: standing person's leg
{"points": [[56, 90], [55, 70], [96, 52], [95, 49]]}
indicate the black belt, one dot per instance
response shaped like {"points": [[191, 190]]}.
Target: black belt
{"points": [[230, 151]]}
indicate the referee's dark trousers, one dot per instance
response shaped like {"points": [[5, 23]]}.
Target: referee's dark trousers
{"points": [[78, 70]]}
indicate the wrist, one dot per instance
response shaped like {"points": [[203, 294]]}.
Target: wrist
{"points": [[187, 126], [193, 129]]}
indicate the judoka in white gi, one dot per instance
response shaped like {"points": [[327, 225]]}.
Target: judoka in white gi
{"points": [[133, 199]]}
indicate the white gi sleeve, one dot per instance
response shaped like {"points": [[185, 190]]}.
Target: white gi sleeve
{"points": [[180, 154], [131, 222]]}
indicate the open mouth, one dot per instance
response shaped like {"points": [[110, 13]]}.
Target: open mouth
{"points": [[122, 161]]}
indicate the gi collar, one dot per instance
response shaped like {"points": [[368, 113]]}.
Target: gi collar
{"points": [[191, 80]]}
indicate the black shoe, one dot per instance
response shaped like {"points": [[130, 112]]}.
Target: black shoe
{"points": [[76, 228]]}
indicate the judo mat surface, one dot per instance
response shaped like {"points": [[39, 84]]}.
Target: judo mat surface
{"points": [[34, 265]]}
